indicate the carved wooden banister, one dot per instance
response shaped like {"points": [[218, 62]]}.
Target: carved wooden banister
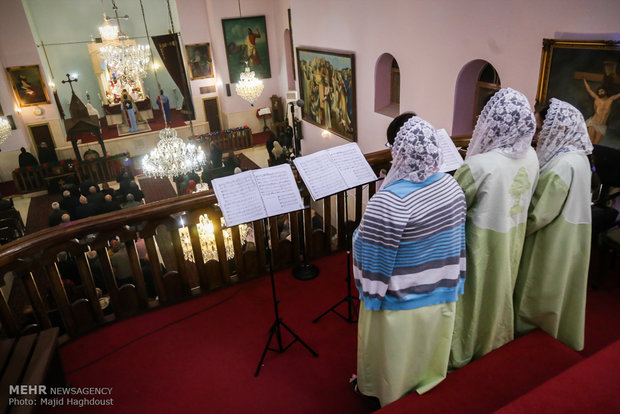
{"points": [[175, 269]]}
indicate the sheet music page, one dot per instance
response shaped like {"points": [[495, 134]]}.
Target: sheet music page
{"points": [[452, 160], [352, 164], [278, 189], [239, 198], [320, 174]]}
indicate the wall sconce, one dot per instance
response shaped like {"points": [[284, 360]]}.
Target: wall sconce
{"points": [[155, 66], [325, 134]]}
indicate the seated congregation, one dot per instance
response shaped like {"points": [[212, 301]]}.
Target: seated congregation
{"points": [[451, 268]]}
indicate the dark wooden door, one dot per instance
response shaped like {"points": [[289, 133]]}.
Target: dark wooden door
{"points": [[212, 114], [42, 133]]}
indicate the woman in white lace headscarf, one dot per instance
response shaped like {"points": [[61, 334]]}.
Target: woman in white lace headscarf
{"points": [[550, 293], [409, 262], [498, 178]]}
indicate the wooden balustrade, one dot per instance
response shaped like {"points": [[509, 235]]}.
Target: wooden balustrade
{"points": [[230, 140], [48, 177], [34, 259]]}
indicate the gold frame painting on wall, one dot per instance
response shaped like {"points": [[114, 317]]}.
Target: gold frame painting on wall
{"points": [[28, 86], [327, 87], [584, 74], [199, 61]]}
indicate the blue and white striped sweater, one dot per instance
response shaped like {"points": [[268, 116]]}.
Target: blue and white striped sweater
{"points": [[409, 250]]}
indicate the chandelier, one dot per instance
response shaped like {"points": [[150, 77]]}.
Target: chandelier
{"points": [[249, 87], [206, 235], [5, 129], [128, 61], [172, 156]]}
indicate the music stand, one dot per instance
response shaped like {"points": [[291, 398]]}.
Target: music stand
{"points": [[348, 299], [275, 327], [330, 172], [255, 195]]}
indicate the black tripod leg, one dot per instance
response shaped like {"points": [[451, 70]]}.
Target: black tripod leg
{"points": [[262, 358], [329, 310], [297, 338]]}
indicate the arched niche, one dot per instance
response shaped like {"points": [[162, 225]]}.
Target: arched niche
{"points": [[387, 85], [476, 80]]}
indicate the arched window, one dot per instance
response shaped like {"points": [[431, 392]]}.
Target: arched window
{"points": [[387, 86], [476, 81]]}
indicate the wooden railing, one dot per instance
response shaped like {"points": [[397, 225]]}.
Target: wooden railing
{"points": [[229, 140], [33, 260], [42, 177]]}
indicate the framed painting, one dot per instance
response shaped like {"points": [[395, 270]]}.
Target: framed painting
{"points": [[199, 60], [584, 74], [246, 41], [28, 86], [327, 87]]}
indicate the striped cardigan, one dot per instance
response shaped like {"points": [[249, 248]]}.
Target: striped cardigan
{"points": [[409, 250]]}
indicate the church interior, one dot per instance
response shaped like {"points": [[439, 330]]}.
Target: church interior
{"points": [[119, 277]]}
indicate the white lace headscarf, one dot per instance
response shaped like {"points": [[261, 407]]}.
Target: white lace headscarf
{"points": [[415, 154], [564, 130], [506, 125]]}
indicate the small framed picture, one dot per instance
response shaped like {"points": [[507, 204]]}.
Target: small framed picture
{"points": [[28, 86], [200, 62]]}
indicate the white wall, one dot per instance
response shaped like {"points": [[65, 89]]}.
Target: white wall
{"points": [[432, 40]]}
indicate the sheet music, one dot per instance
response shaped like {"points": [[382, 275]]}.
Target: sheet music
{"points": [[278, 189], [352, 164], [452, 160], [320, 174], [239, 198]]}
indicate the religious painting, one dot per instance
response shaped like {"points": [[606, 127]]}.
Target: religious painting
{"points": [[28, 85], [246, 41], [584, 74], [327, 87], [200, 63]]}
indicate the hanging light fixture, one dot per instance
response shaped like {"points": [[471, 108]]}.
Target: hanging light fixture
{"points": [[129, 62], [5, 129], [249, 87], [172, 156]]}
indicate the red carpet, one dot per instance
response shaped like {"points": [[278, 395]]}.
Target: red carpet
{"points": [[200, 356], [592, 386], [495, 379], [157, 123], [38, 212], [156, 189], [260, 138]]}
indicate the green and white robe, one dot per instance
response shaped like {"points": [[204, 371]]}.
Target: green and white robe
{"points": [[551, 286], [498, 190]]}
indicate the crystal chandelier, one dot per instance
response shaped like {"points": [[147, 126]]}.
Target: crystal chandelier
{"points": [[5, 129], [172, 156], [249, 87], [206, 235], [128, 62], [109, 32]]}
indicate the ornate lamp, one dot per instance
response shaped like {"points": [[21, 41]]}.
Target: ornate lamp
{"points": [[249, 87], [172, 156]]}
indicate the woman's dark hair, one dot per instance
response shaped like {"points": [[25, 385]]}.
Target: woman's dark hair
{"points": [[396, 124]]}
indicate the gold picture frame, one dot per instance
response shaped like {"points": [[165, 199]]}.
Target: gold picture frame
{"points": [[567, 66], [199, 61], [28, 86]]}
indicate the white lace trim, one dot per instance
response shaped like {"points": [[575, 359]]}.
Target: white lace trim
{"points": [[506, 125], [564, 130], [416, 154]]}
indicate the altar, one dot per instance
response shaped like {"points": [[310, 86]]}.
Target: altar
{"points": [[113, 112]]}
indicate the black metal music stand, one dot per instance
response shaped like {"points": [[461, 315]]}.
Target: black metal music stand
{"points": [[275, 328], [348, 299]]}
